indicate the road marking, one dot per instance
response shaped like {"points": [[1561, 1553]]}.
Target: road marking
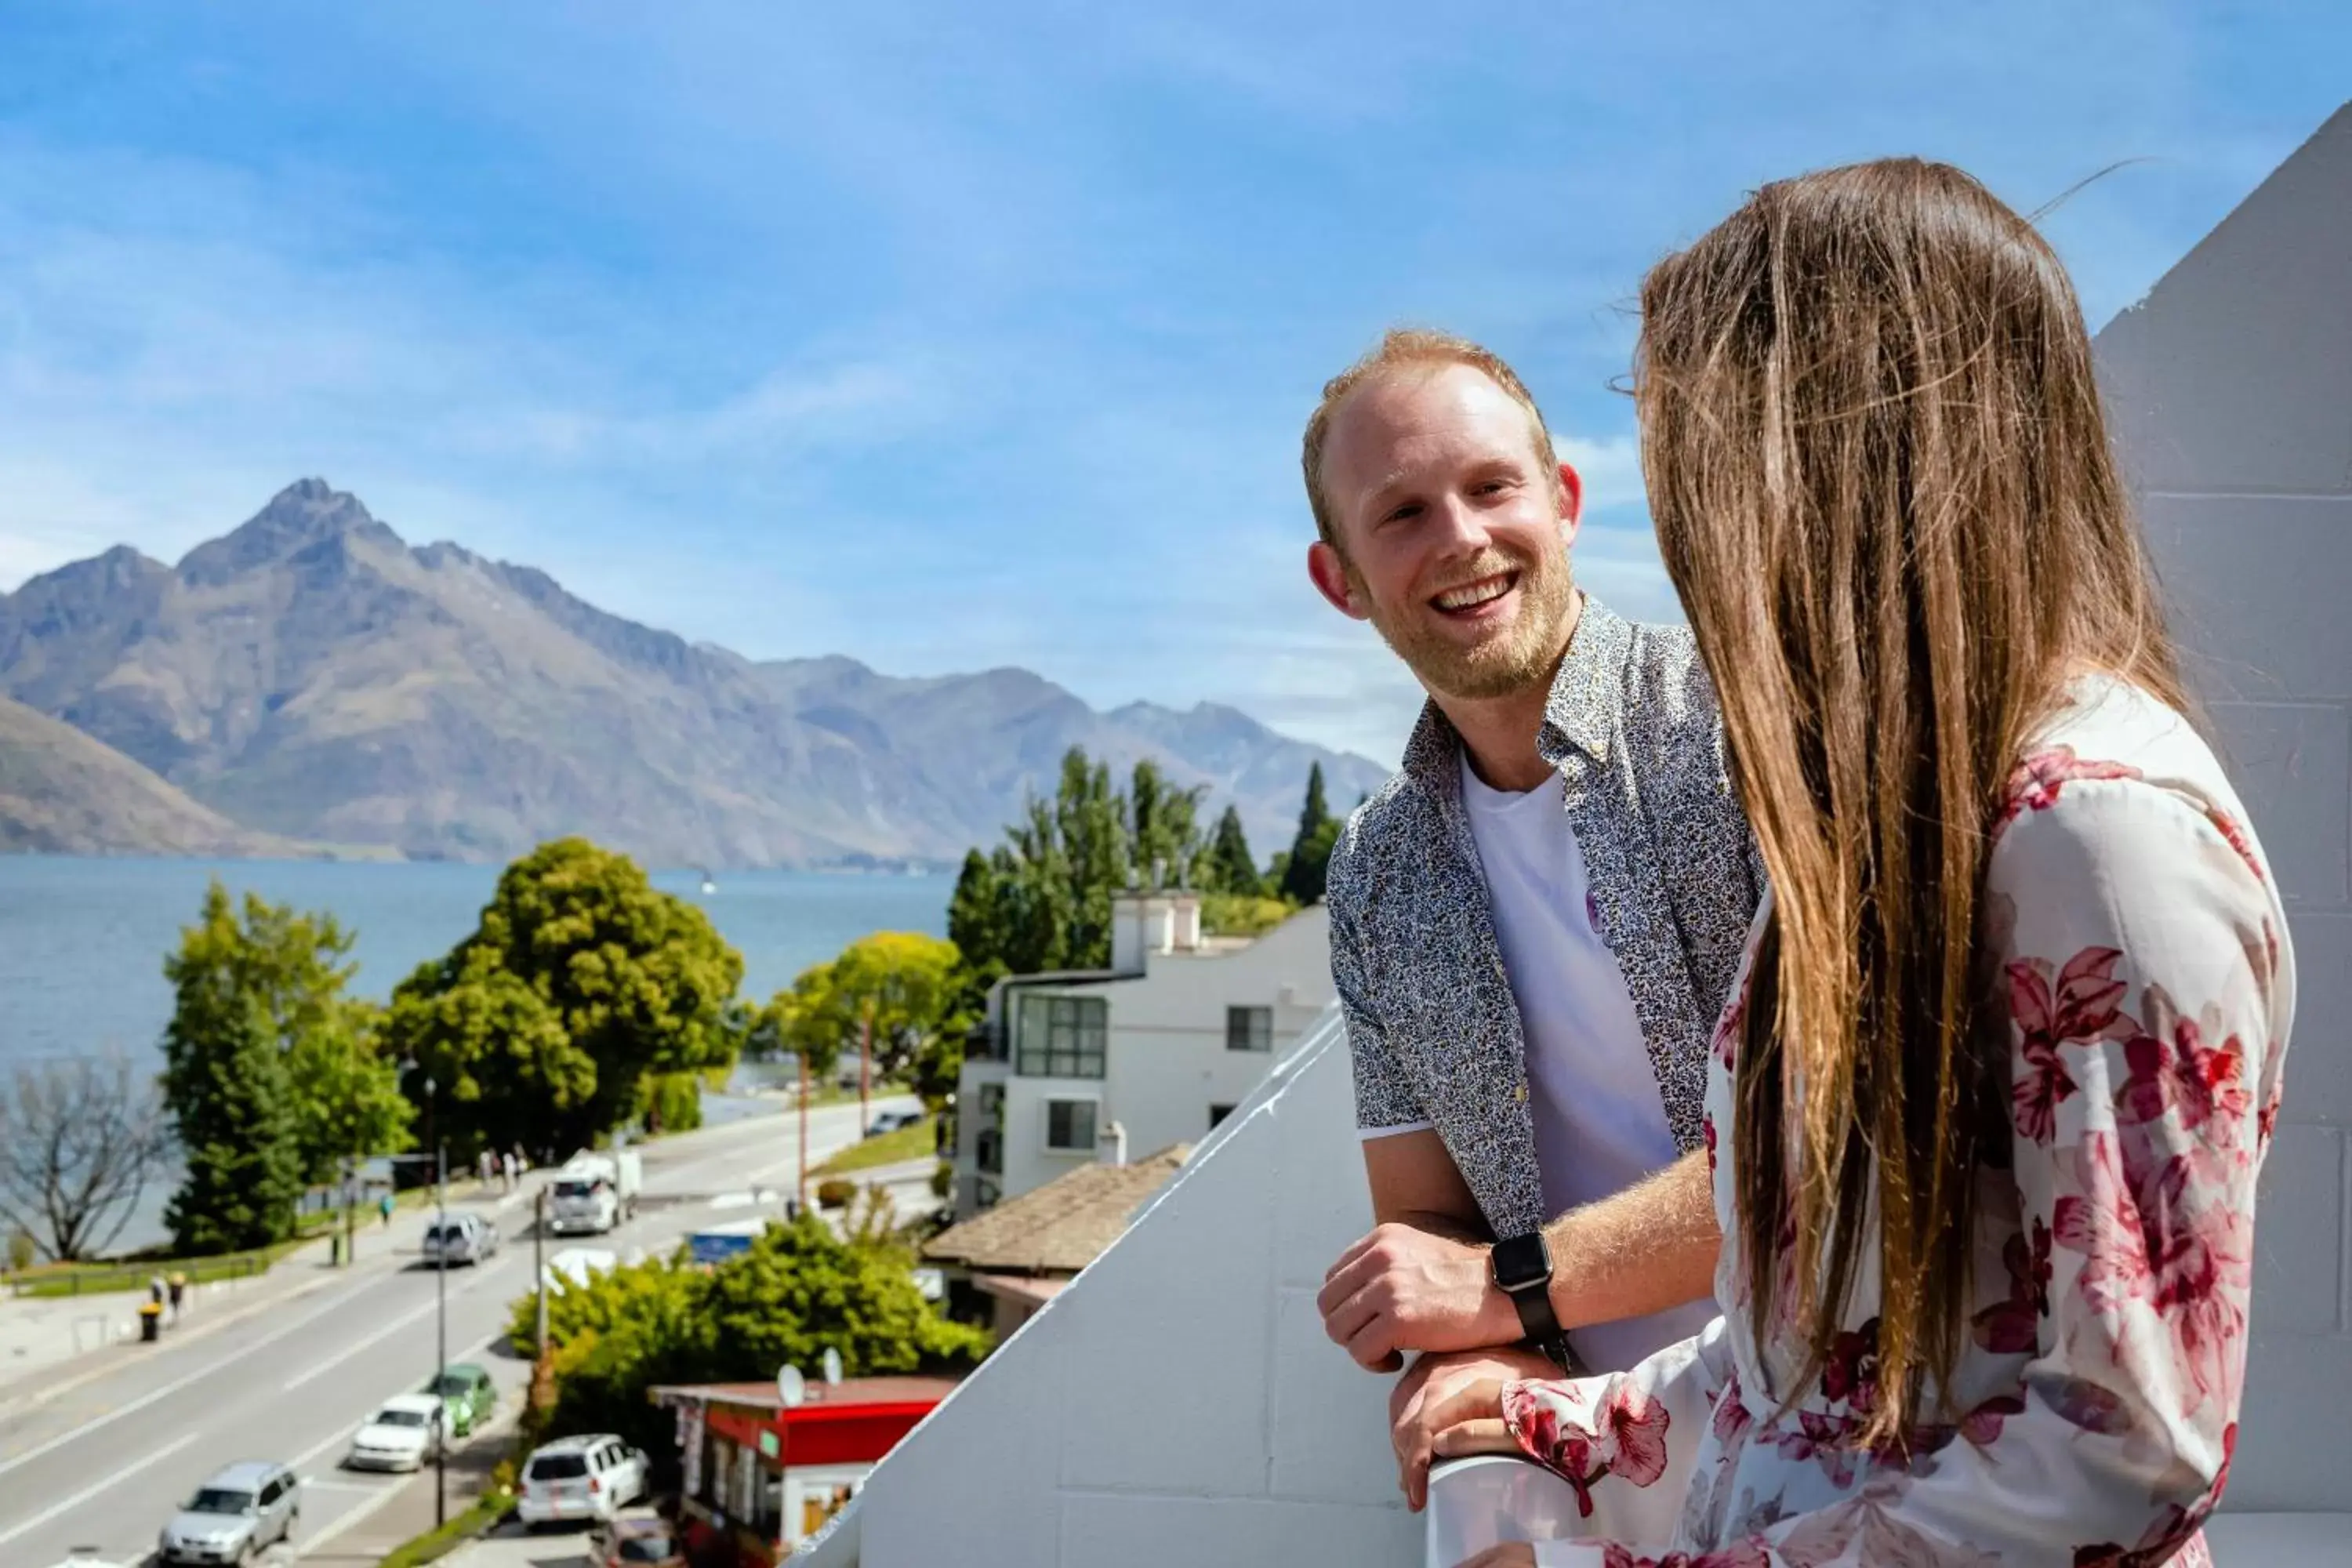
{"points": [[91, 1491], [118, 1411], [421, 1312]]}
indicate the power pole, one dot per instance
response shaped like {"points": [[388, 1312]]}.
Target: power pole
{"points": [[539, 1262], [441, 1336], [804, 1094], [865, 1054]]}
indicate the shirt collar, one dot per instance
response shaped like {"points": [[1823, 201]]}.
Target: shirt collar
{"points": [[1581, 712]]}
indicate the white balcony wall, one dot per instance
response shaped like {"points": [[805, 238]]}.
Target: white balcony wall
{"points": [[2230, 391]]}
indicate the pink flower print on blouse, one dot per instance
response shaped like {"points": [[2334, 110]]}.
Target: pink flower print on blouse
{"points": [[2078, 1006], [1628, 1439], [2013, 1327], [1738, 1554], [2034, 783], [2182, 1074]]}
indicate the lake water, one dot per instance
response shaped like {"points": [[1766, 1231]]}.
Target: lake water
{"points": [[82, 941]]}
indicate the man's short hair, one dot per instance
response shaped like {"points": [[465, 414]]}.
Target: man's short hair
{"points": [[1408, 348]]}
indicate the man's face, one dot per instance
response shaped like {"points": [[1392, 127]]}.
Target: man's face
{"points": [[1452, 537]]}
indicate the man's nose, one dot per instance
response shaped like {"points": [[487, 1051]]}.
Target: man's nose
{"points": [[1462, 526]]}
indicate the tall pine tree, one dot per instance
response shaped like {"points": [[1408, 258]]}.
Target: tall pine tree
{"points": [[1230, 867], [227, 1086], [1310, 851]]}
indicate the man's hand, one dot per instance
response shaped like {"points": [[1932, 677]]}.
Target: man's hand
{"points": [[1405, 1290], [1429, 1393]]}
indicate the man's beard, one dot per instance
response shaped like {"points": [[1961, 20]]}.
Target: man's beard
{"points": [[1502, 666]]}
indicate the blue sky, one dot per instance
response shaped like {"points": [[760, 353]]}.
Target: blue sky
{"points": [[950, 336]]}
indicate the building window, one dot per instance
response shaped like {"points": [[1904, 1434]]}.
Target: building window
{"points": [[1070, 1126], [1062, 1036], [988, 1150], [1218, 1113], [1249, 1028]]}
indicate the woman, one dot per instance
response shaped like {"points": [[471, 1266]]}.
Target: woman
{"points": [[1989, 1104]]}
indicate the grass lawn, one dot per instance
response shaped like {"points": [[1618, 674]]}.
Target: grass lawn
{"points": [[907, 1143]]}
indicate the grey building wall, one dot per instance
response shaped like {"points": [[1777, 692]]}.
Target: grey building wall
{"points": [[2231, 391]]}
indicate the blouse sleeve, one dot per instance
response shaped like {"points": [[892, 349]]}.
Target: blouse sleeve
{"points": [[1626, 1442], [2140, 953]]}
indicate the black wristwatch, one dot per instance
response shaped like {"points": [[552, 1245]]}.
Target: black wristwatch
{"points": [[1522, 1267]]}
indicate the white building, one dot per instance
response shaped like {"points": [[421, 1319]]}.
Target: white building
{"points": [[1155, 1050], [1178, 1404]]}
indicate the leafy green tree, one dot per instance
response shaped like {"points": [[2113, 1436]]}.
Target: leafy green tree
{"points": [[227, 1088], [1310, 851], [1164, 828], [901, 993], [1229, 867], [346, 1096], [580, 983], [797, 1291]]}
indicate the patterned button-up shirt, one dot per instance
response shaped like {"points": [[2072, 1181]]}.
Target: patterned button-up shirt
{"points": [[1632, 727]]}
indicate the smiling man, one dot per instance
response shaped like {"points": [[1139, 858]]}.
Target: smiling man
{"points": [[1534, 925]]}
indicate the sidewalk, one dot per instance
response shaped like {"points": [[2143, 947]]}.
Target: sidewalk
{"points": [[50, 1343]]}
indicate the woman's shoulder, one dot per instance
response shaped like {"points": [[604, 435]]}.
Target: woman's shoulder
{"points": [[2115, 762]]}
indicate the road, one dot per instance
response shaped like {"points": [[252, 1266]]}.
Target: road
{"points": [[104, 1461]]}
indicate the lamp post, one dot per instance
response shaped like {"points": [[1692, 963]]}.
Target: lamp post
{"points": [[440, 1298]]}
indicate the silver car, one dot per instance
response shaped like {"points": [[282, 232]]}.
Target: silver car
{"points": [[235, 1516], [460, 1238]]}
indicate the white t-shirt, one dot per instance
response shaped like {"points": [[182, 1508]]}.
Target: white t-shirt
{"points": [[1600, 1124]]}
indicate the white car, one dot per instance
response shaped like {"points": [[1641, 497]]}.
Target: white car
{"points": [[460, 1238], [582, 1478], [402, 1436]]}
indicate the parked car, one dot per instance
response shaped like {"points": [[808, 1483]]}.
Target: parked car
{"points": [[471, 1397], [460, 1238], [243, 1510], [402, 1436], [638, 1539], [891, 1121], [582, 1478]]}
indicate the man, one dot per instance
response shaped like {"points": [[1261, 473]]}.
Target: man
{"points": [[1534, 925]]}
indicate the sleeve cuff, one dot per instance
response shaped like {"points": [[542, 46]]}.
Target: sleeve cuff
{"points": [[1367, 1134]]}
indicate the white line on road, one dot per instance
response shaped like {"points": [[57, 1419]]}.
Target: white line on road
{"points": [[91, 1491], [206, 1371], [421, 1311]]}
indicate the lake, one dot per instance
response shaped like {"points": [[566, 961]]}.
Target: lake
{"points": [[82, 941]]}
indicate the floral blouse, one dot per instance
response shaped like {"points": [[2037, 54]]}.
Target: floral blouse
{"points": [[2149, 988]]}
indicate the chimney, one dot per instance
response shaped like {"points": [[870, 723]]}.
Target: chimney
{"points": [[1113, 1150], [1144, 923]]}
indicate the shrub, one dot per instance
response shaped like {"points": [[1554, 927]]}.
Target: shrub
{"points": [[943, 1180], [834, 1192]]}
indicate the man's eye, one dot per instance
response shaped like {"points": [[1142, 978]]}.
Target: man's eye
{"points": [[1411, 509]]}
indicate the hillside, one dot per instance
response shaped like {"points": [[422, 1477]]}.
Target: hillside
{"points": [[312, 676], [62, 793]]}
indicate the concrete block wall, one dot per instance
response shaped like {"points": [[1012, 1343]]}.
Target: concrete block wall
{"points": [[1178, 1405], [2231, 391]]}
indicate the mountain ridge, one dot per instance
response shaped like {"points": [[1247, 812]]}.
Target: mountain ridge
{"points": [[311, 675]]}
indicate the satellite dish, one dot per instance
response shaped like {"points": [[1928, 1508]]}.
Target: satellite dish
{"points": [[831, 1366], [791, 1387]]}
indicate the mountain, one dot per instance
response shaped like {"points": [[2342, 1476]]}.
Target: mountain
{"points": [[62, 793], [313, 675]]}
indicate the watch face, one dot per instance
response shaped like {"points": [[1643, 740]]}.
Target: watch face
{"points": [[1521, 1262]]}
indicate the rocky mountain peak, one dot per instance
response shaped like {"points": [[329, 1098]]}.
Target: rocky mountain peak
{"points": [[304, 513]]}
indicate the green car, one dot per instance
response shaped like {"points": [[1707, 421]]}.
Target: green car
{"points": [[467, 1390]]}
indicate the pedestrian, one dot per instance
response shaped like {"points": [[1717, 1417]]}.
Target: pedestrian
{"points": [[155, 1290], [384, 1207], [178, 1286], [513, 1163]]}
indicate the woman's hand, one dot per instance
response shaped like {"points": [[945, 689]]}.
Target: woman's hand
{"points": [[1469, 1420], [1510, 1554], [1421, 1394]]}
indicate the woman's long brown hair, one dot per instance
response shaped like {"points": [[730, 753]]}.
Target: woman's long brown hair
{"points": [[1883, 489]]}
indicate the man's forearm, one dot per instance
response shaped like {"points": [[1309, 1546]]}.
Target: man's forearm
{"points": [[1648, 1248]]}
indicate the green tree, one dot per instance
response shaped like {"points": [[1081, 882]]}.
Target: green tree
{"points": [[346, 1096], [1230, 867], [581, 982], [900, 991], [1164, 828], [227, 1085], [798, 1291], [1310, 852]]}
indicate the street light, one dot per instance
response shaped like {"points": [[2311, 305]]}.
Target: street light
{"points": [[440, 1303]]}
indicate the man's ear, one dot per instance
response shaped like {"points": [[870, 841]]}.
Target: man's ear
{"points": [[1330, 575], [1571, 503]]}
